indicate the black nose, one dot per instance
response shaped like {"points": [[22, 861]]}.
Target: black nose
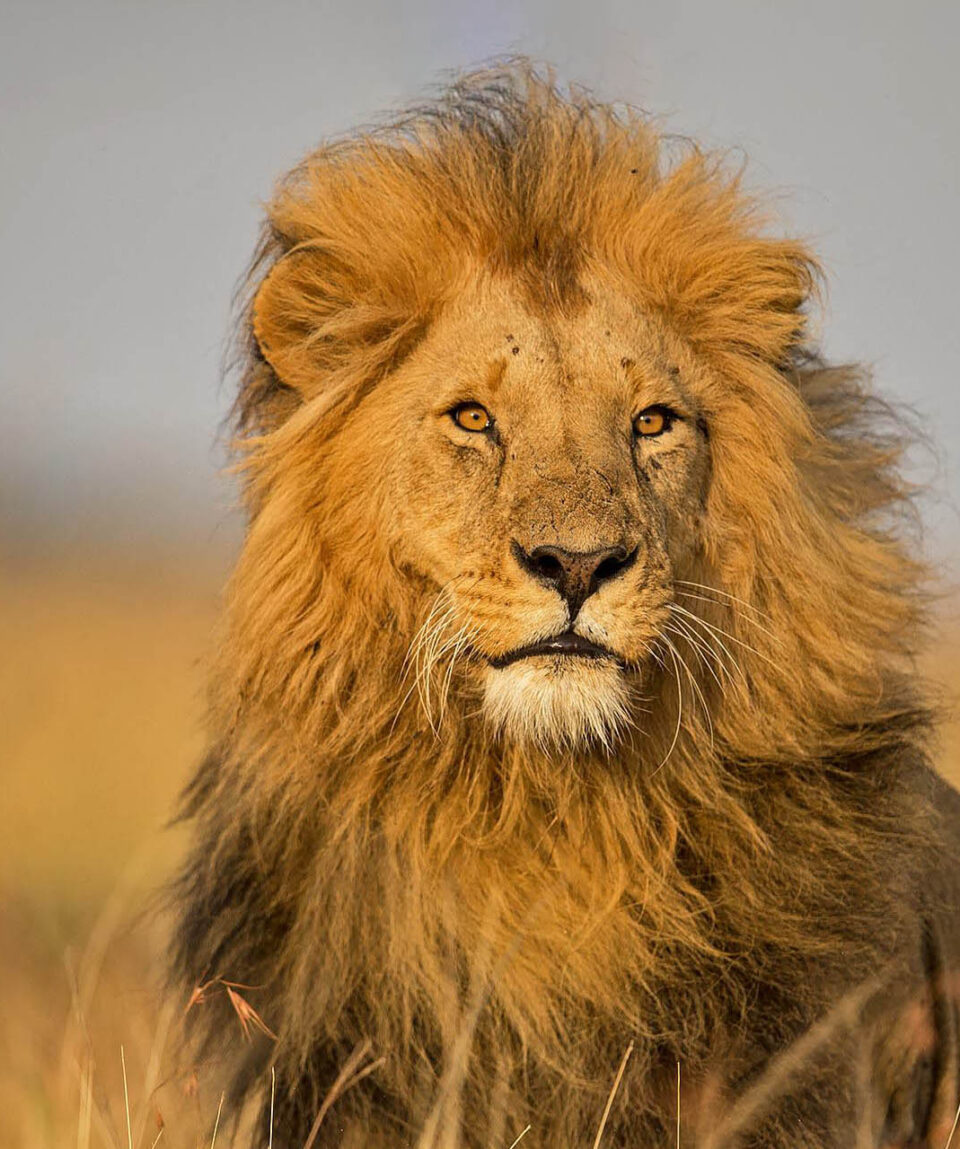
{"points": [[575, 575]]}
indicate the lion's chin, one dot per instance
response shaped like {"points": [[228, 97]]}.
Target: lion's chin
{"points": [[558, 702]]}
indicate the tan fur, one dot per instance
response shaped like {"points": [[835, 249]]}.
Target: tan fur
{"points": [[658, 851]]}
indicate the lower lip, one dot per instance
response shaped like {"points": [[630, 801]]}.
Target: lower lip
{"points": [[592, 654]]}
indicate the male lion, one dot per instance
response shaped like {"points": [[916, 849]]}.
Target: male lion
{"points": [[565, 717]]}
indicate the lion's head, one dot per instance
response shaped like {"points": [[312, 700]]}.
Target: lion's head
{"points": [[571, 582], [534, 422]]}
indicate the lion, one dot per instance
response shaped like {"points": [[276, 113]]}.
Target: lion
{"points": [[565, 726]]}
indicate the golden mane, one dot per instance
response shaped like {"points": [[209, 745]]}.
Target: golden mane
{"points": [[372, 874]]}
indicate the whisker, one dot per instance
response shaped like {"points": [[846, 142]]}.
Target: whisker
{"points": [[733, 599], [742, 617], [427, 635], [711, 636], [676, 733], [431, 642], [403, 703], [725, 594], [420, 638], [697, 691], [706, 654], [429, 652], [717, 630], [451, 663], [465, 636]]}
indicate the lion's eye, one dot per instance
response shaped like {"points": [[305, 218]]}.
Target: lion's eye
{"points": [[653, 421], [471, 417]]}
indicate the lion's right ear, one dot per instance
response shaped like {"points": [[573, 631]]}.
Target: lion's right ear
{"points": [[325, 316], [290, 318]]}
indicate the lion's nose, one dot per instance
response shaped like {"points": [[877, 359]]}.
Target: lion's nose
{"points": [[575, 575]]}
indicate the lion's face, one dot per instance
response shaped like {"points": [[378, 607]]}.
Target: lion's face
{"points": [[545, 474]]}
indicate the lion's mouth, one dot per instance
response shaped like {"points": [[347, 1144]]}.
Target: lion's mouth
{"points": [[568, 644]]}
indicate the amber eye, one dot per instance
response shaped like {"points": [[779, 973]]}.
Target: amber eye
{"points": [[652, 421], [471, 417]]}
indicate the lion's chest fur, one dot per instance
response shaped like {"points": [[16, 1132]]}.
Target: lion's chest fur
{"points": [[522, 947], [569, 937]]}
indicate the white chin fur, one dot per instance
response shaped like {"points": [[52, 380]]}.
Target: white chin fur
{"points": [[557, 702]]}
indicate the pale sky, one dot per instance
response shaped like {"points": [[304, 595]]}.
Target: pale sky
{"points": [[138, 140]]}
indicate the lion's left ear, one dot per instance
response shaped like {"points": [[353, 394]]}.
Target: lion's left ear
{"points": [[747, 298], [759, 299], [697, 246]]}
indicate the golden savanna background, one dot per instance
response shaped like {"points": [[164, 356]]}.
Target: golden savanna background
{"points": [[138, 142]]}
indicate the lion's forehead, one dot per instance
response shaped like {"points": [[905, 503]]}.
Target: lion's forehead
{"points": [[568, 351]]}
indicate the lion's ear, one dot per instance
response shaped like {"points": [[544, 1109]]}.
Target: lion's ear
{"points": [[326, 315], [290, 317], [749, 297], [700, 249]]}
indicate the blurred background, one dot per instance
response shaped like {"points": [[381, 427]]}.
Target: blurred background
{"points": [[138, 141]]}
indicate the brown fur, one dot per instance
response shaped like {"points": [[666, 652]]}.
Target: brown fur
{"points": [[704, 884]]}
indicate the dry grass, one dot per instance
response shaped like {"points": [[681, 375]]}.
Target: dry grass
{"points": [[101, 682]]}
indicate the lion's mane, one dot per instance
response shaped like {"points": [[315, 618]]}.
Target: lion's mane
{"points": [[377, 880]]}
